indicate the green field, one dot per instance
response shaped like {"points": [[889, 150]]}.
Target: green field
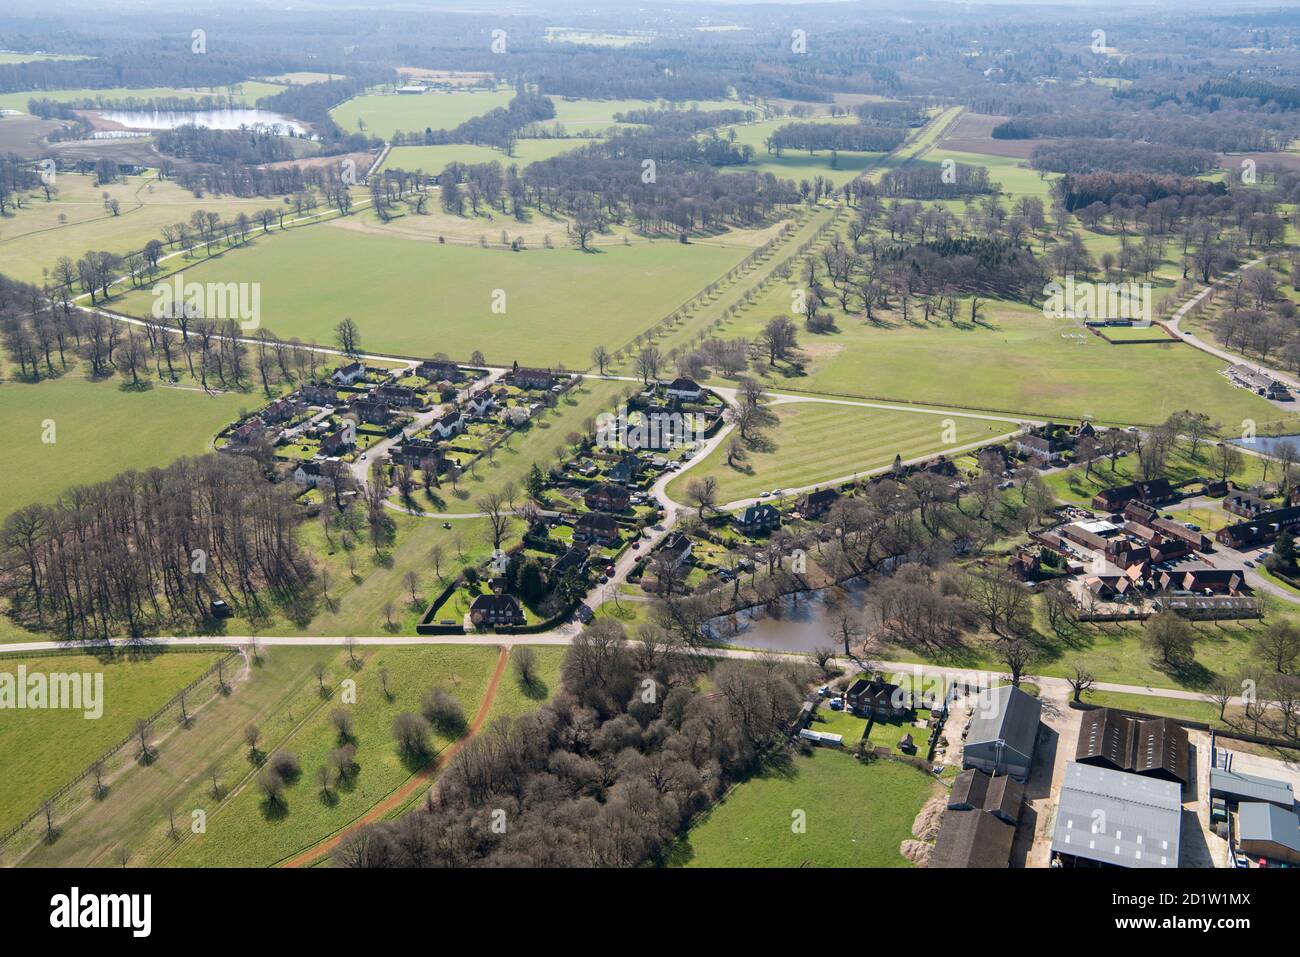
{"points": [[857, 816], [99, 431], [245, 831], [44, 749], [799, 164], [33, 238], [434, 159], [1016, 362], [583, 115], [247, 93], [416, 298], [386, 114], [819, 441]]}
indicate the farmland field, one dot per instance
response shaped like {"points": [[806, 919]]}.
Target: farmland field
{"points": [[818, 441], [247, 93], [1016, 362], [384, 115], [415, 298], [33, 238], [798, 164], [99, 431], [244, 830], [44, 749], [857, 816], [434, 159]]}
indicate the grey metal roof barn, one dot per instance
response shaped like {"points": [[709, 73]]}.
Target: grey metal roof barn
{"points": [[1117, 819], [1270, 824], [1236, 786], [1003, 731]]}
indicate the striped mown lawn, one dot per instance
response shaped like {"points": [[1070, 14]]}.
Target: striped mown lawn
{"points": [[818, 441]]}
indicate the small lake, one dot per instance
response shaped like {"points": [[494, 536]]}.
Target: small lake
{"points": [[212, 119], [800, 625], [1267, 444]]}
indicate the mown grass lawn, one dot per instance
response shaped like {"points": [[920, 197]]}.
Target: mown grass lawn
{"points": [[434, 159], [385, 114], [99, 430], [857, 816], [247, 831], [417, 298], [1016, 361], [41, 750], [818, 441]]}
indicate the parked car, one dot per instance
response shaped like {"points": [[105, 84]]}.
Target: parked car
{"points": [[1248, 563], [837, 704]]}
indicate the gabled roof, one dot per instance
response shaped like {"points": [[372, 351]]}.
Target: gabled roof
{"points": [[1268, 822], [1118, 818], [1008, 715], [973, 839], [1251, 787]]}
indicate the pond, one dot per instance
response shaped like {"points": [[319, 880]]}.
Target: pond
{"points": [[232, 119], [1267, 444], [801, 625]]}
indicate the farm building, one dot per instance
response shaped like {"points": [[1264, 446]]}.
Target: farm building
{"points": [[1111, 818], [1003, 732], [1152, 746], [1267, 831], [979, 825]]}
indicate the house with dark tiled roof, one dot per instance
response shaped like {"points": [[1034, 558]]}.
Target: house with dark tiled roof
{"points": [[607, 497], [817, 503], [1152, 492], [338, 441], [531, 378], [415, 452], [451, 424], [684, 388], [878, 698], [398, 396], [626, 470], [677, 549], [372, 410], [493, 609], [596, 527], [758, 518], [438, 370]]}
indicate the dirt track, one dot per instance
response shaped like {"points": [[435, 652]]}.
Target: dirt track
{"points": [[415, 784]]}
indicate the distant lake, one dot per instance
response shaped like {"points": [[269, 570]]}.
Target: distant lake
{"points": [[212, 119], [1267, 444]]}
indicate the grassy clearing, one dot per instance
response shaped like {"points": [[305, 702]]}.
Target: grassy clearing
{"points": [[246, 830], [588, 116], [45, 748], [800, 164], [818, 441], [415, 299], [434, 159], [385, 114], [100, 430], [246, 93], [33, 238], [1015, 361], [857, 816], [134, 813]]}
